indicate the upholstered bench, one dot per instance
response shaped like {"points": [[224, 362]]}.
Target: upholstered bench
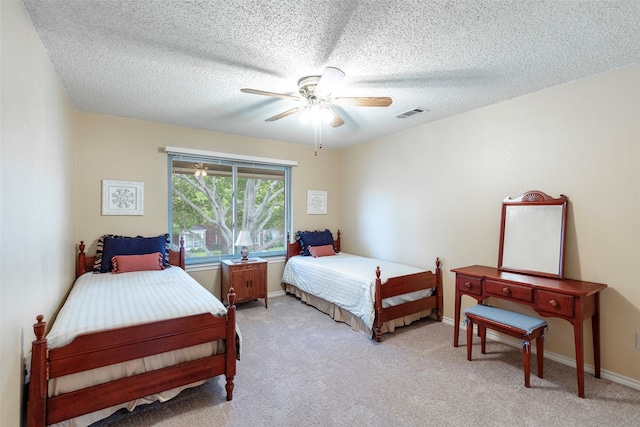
{"points": [[517, 325]]}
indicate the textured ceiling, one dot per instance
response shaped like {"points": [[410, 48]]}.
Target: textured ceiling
{"points": [[184, 62]]}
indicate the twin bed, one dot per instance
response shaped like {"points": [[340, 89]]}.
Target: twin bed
{"points": [[125, 339], [372, 296]]}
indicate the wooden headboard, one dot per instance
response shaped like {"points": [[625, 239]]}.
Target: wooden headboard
{"points": [[293, 248], [85, 263]]}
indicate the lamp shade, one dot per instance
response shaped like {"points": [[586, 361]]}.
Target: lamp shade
{"points": [[244, 239]]}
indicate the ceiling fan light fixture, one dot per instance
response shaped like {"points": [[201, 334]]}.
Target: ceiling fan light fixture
{"points": [[316, 91], [201, 170], [315, 114]]}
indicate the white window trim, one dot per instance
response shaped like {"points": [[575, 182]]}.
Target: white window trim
{"points": [[239, 157]]}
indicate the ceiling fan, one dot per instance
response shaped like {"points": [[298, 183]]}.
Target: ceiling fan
{"points": [[315, 96]]}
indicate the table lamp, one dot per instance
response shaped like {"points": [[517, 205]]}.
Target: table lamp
{"points": [[244, 240]]}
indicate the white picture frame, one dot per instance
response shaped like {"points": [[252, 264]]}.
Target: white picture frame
{"points": [[122, 197], [316, 202]]}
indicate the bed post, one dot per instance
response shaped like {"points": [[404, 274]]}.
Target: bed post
{"points": [[38, 377], [337, 242], [182, 263], [439, 290], [230, 346], [82, 260], [377, 331]]}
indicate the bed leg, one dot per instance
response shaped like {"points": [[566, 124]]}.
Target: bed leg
{"points": [[229, 387], [230, 361], [37, 406], [377, 324], [439, 290]]}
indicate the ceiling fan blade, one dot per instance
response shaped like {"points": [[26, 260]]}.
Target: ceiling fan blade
{"points": [[285, 114], [273, 94], [363, 101], [328, 81], [337, 120]]}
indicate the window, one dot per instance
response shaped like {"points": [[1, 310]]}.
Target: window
{"points": [[211, 199]]}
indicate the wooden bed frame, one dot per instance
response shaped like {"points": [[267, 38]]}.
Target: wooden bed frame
{"points": [[395, 286], [94, 350]]}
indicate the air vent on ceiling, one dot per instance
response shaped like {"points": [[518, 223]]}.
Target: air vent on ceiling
{"points": [[411, 113]]}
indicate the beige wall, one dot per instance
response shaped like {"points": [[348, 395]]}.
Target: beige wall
{"points": [[131, 150], [37, 204], [442, 185], [439, 195]]}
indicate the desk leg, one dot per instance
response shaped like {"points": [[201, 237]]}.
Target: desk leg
{"points": [[456, 321], [595, 330], [578, 337]]}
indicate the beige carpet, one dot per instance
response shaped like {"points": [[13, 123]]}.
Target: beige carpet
{"points": [[300, 368]]}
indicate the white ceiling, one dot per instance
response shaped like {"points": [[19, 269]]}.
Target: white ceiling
{"points": [[184, 62]]}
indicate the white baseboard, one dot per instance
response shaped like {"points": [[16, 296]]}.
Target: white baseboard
{"points": [[612, 376], [276, 294]]}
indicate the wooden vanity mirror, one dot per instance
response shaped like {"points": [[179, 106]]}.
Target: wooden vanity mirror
{"points": [[532, 235]]}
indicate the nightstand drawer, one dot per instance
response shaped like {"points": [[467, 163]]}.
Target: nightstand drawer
{"points": [[555, 303], [245, 267], [508, 290], [468, 284]]}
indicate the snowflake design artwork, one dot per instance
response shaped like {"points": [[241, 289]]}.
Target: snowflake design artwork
{"points": [[316, 202], [123, 198]]}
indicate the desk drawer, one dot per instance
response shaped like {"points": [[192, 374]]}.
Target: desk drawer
{"points": [[468, 284], [508, 290], [554, 303]]}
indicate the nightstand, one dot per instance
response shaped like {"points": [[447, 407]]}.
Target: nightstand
{"points": [[247, 278]]}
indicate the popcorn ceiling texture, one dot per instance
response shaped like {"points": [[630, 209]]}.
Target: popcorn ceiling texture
{"points": [[184, 63]]}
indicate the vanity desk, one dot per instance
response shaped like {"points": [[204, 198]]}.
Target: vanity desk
{"points": [[572, 300], [531, 271]]}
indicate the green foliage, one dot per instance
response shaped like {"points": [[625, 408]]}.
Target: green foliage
{"points": [[208, 202]]}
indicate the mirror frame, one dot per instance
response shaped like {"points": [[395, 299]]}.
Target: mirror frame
{"points": [[529, 226]]}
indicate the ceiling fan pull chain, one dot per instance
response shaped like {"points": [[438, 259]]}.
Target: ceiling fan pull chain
{"points": [[315, 140]]}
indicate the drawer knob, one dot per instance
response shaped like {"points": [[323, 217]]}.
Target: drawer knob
{"points": [[506, 290], [467, 284], [553, 303]]}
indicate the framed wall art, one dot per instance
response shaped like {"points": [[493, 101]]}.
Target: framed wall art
{"points": [[316, 202], [122, 197]]}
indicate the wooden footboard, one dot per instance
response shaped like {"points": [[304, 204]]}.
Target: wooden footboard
{"points": [[104, 348], [400, 285], [396, 286]]}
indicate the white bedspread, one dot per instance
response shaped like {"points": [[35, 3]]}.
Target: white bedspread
{"points": [[105, 301], [347, 280]]}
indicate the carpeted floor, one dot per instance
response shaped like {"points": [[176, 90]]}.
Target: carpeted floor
{"points": [[300, 368]]}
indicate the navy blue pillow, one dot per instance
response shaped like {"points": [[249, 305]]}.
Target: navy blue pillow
{"points": [[314, 238], [132, 246], [97, 262]]}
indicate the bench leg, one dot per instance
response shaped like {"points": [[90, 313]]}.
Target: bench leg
{"points": [[469, 338], [540, 354], [526, 359], [482, 331]]}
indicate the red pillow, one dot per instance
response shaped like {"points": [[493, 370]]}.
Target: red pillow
{"points": [[325, 250], [129, 263]]}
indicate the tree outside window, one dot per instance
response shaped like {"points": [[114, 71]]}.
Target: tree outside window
{"points": [[211, 200]]}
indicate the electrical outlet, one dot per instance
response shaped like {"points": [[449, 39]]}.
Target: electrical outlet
{"points": [[637, 340]]}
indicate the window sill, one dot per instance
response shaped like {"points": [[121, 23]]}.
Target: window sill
{"points": [[216, 265]]}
